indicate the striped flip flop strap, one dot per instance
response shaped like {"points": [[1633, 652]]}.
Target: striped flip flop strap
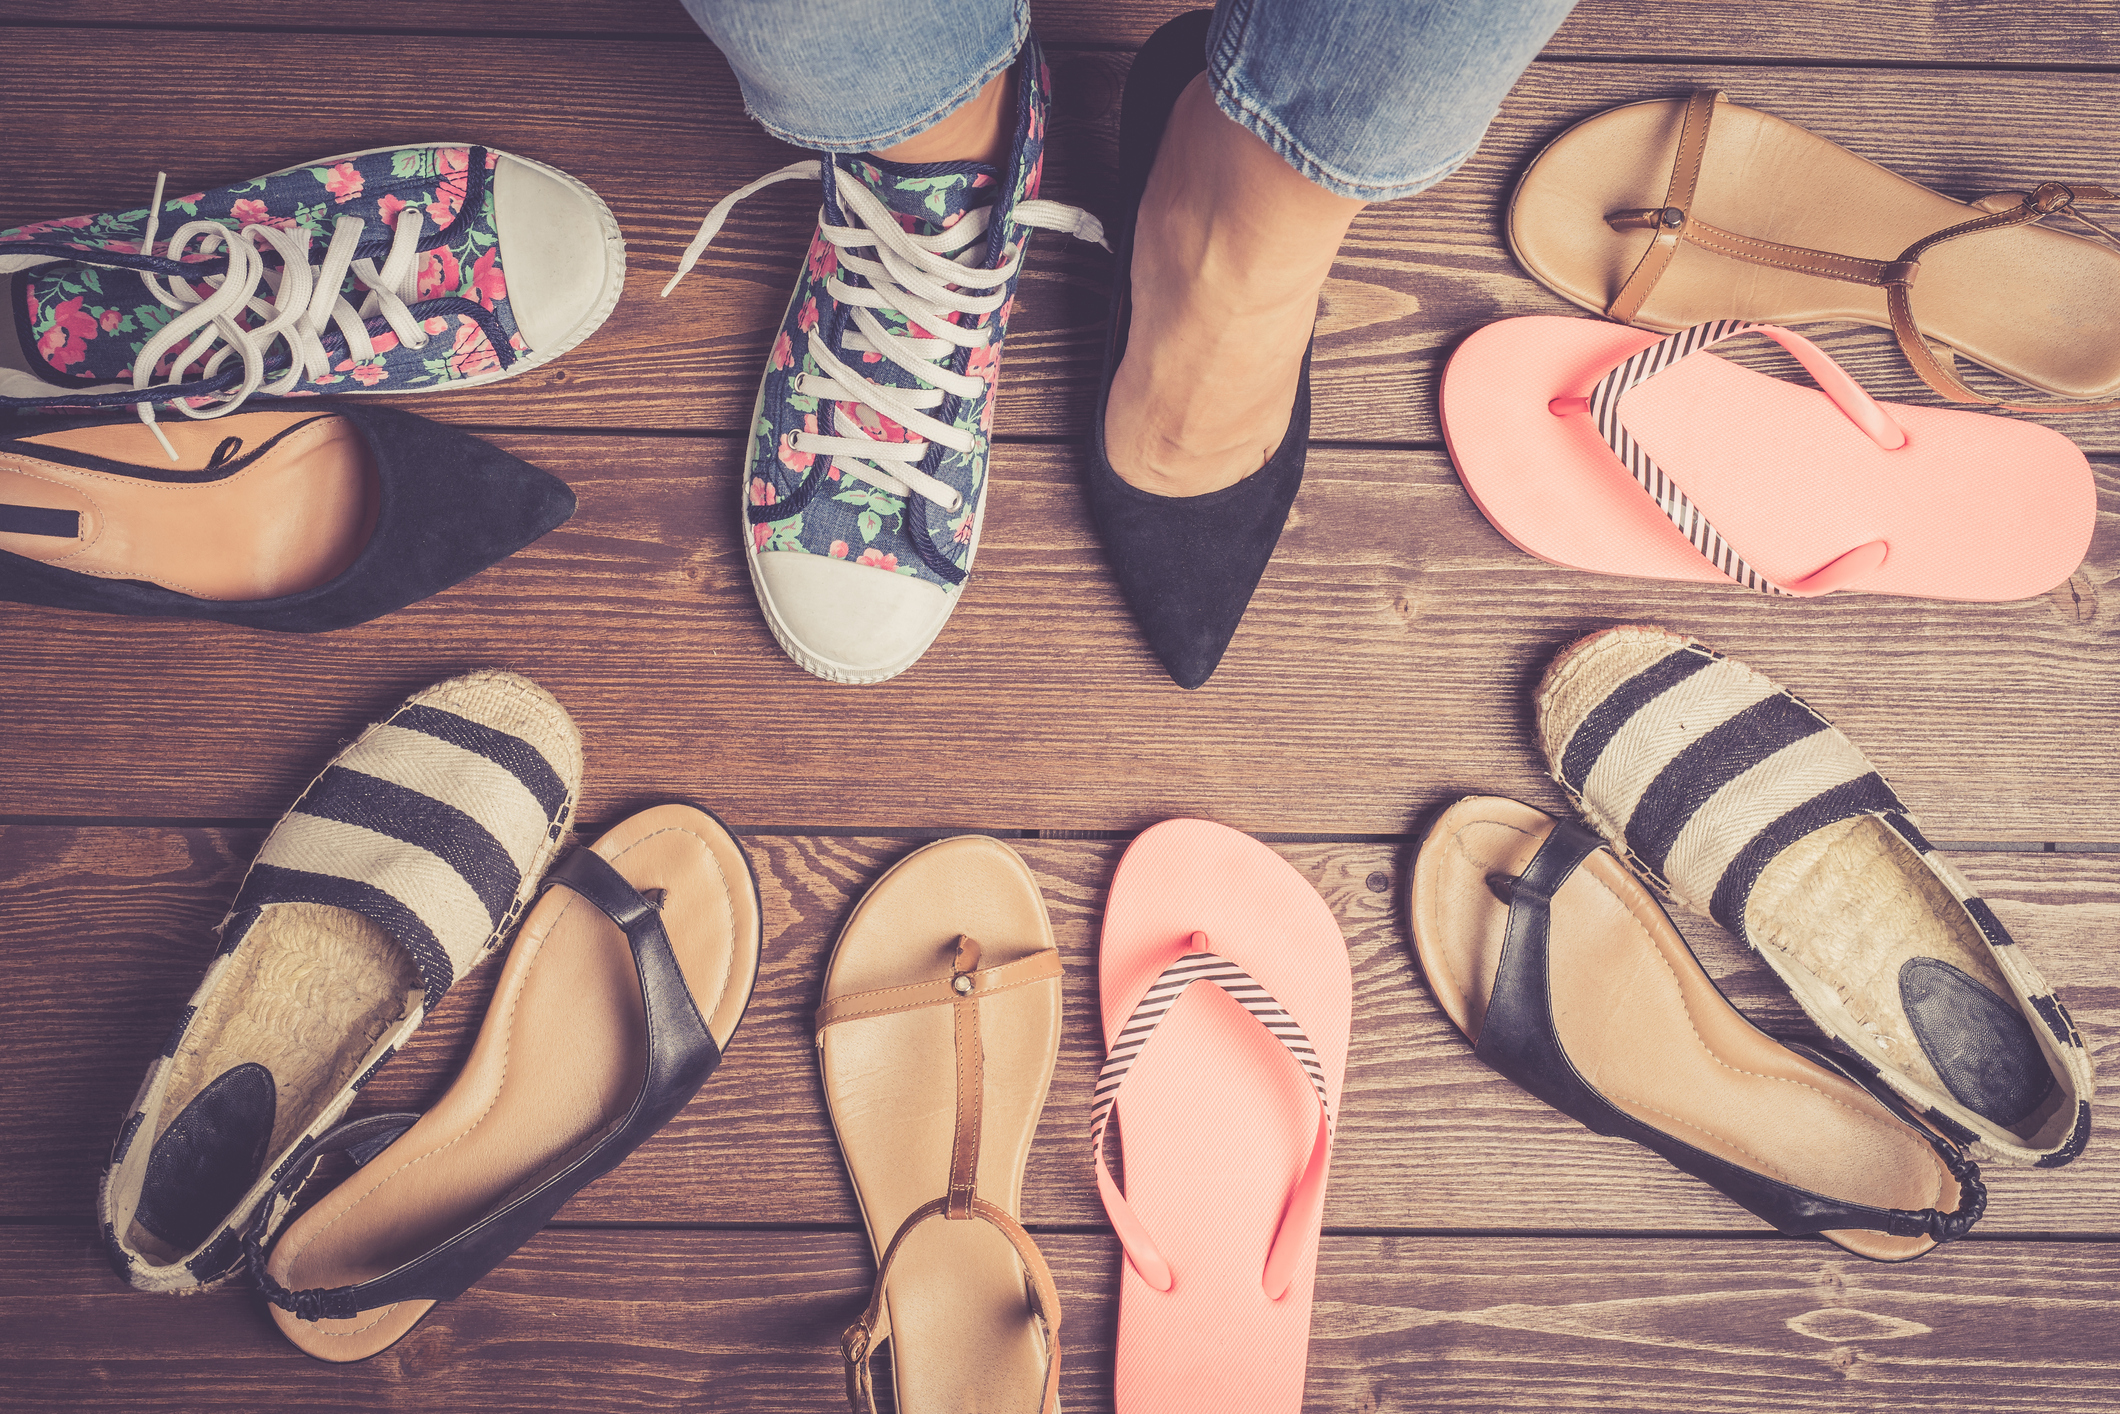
{"points": [[1162, 995], [1604, 403]]}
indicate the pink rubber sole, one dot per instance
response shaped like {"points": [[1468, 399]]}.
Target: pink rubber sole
{"points": [[1216, 1118], [1974, 507]]}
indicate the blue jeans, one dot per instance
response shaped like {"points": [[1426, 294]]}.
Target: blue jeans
{"points": [[1370, 99]]}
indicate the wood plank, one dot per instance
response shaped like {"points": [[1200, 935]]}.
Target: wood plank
{"points": [[1383, 665], [751, 1320], [659, 131], [109, 932], [1967, 32]]}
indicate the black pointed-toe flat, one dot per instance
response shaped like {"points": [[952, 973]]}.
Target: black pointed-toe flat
{"points": [[1186, 564], [294, 520]]}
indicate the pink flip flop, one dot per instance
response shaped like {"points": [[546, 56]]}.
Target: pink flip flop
{"points": [[1227, 1095], [1624, 451]]}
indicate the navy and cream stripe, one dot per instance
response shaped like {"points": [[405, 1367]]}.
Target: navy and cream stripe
{"points": [[425, 826], [1673, 502], [1156, 1004]]}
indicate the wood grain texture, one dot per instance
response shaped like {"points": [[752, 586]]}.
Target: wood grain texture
{"points": [[110, 933], [1968, 32], [1385, 662], [659, 131], [621, 1321]]}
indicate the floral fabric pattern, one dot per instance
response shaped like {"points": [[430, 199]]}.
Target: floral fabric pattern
{"points": [[801, 503], [86, 311]]}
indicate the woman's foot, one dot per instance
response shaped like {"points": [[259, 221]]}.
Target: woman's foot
{"points": [[1231, 248]]}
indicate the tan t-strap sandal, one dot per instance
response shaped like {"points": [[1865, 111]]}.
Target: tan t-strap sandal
{"points": [[913, 1003], [1582, 208]]}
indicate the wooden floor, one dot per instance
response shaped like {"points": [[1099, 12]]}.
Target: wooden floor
{"points": [[1483, 1253]]}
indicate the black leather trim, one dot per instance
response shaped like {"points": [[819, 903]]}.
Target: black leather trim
{"points": [[681, 1055], [208, 1157], [1519, 1040]]}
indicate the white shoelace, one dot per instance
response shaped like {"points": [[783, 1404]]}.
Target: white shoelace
{"points": [[922, 278], [306, 299]]}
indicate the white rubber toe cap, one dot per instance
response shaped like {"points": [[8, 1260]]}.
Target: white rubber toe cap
{"points": [[848, 622], [560, 251]]}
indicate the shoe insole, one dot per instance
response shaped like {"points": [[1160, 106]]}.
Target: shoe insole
{"points": [[289, 515], [1645, 1027], [1853, 906], [2038, 304], [307, 994], [557, 1064]]}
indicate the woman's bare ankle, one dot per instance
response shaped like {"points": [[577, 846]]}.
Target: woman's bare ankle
{"points": [[982, 129]]}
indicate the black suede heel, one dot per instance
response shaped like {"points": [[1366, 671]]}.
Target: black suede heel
{"points": [[1186, 564]]}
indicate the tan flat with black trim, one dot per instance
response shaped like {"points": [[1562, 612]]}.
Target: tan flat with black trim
{"points": [[1677, 211], [937, 1039]]}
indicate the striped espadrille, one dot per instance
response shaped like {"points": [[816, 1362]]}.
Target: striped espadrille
{"points": [[401, 867], [1741, 803]]}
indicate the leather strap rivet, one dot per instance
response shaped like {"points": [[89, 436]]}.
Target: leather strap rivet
{"points": [[1672, 217], [962, 985]]}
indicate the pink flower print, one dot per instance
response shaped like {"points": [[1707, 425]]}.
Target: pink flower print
{"points": [[792, 457], [758, 536], [982, 179], [762, 492], [473, 353], [783, 350], [249, 211], [110, 320], [1030, 183], [58, 223], [824, 258], [384, 342], [343, 182], [66, 342], [454, 164], [876, 559], [875, 423], [872, 357], [439, 273], [367, 374], [832, 472], [488, 285], [806, 317], [839, 549], [515, 342], [963, 533], [436, 325], [388, 209]]}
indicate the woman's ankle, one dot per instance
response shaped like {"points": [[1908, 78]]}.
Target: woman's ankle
{"points": [[982, 129]]}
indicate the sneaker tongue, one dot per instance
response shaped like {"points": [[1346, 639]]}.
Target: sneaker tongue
{"points": [[930, 195]]}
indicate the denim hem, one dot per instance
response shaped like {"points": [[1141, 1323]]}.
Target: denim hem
{"points": [[1256, 120], [853, 146]]}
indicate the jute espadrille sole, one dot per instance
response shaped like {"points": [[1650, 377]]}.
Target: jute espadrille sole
{"points": [[1741, 803], [400, 868]]}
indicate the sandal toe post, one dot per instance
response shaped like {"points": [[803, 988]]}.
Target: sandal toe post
{"points": [[625, 984], [1570, 980], [937, 1037], [1742, 804], [397, 871]]}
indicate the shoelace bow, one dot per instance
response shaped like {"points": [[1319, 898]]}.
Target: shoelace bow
{"points": [[306, 299], [924, 279]]}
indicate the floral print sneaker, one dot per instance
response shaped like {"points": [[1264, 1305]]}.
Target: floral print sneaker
{"points": [[866, 479], [397, 270]]}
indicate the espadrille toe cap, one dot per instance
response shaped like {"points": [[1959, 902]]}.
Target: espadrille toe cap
{"points": [[511, 703]]}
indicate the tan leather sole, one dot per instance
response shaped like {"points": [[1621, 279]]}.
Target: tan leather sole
{"points": [[556, 1066], [292, 520], [2036, 304], [962, 1336], [1644, 1025]]}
